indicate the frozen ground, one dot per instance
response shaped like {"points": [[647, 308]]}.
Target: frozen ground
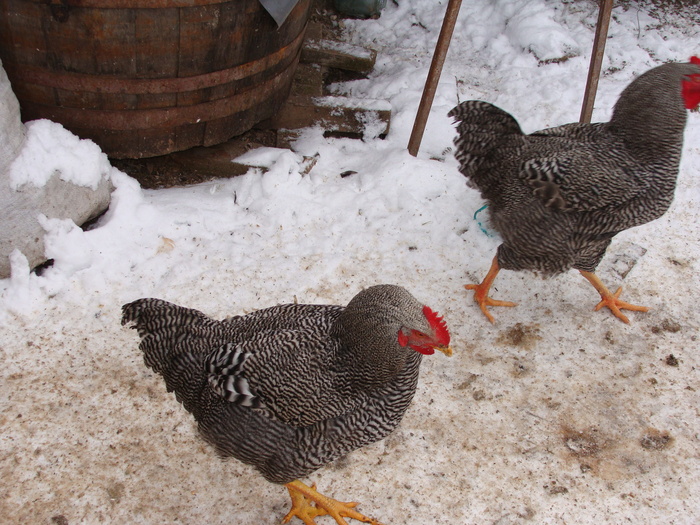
{"points": [[555, 414]]}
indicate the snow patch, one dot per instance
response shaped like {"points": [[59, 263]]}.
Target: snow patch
{"points": [[49, 150]]}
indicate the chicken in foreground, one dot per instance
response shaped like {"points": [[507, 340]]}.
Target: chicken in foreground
{"points": [[558, 196], [290, 388]]}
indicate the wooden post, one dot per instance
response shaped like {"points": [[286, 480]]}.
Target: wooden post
{"points": [[601, 34], [426, 101]]}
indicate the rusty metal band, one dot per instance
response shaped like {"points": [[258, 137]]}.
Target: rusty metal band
{"points": [[111, 84], [166, 117], [130, 4]]}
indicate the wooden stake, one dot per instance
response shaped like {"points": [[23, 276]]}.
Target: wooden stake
{"points": [[426, 101], [601, 35]]}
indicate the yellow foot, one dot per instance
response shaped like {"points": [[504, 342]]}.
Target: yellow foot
{"points": [[308, 504], [611, 300], [484, 300], [481, 291], [615, 305]]}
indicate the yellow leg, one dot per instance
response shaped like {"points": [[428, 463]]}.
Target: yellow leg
{"points": [[481, 291], [611, 300], [308, 503]]}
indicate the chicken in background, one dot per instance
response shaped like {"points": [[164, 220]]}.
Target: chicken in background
{"points": [[290, 388], [558, 196]]}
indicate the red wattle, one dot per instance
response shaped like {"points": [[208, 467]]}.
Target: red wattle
{"points": [[425, 350]]}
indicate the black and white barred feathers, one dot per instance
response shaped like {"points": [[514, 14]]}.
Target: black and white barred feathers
{"points": [[558, 196], [289, 388]]}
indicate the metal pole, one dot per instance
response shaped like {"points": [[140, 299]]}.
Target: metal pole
{"points": [[426, 101], [601, 34]]}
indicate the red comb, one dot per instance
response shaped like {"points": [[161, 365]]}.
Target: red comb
{"points": [[438, 324], [690, 87]]}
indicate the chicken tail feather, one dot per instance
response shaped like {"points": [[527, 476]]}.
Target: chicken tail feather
{"points": [[481, 127]]}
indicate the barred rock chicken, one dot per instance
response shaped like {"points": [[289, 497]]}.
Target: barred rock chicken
{"points": [[290, 388], [558, 196]]}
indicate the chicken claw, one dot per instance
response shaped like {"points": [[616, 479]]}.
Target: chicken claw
{"points": [[484, 300], [308, 503], [611, 300], [481, 291]]}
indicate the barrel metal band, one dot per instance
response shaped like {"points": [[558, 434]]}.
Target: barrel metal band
{"points": [[112, 84]]}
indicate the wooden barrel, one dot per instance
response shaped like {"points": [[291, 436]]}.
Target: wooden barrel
{"points": [[147, 77]]}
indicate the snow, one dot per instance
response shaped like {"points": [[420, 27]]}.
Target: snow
{"points": [[51, 148], [355, 103], [555, 414], [340, 47]]}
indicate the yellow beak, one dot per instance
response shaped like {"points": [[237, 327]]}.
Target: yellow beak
{"points": [[447, 350]]}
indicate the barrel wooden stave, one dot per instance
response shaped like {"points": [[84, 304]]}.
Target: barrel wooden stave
{"points": [[158, 80]]}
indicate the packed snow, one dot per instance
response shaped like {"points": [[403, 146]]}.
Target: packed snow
{"points": [[554, 414], [49, 149]]}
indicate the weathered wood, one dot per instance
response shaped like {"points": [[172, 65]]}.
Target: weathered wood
{"points": [[331, 53], [192, 166], [601, 35], [216, 161], [315, 30], [334, 114], [308, 80], [426, 101], [146, 82]]}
